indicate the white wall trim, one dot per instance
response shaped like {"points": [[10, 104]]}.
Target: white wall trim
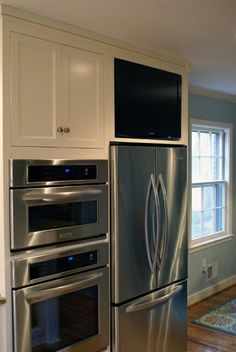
{"points": [[105, 39], [209, 291], [212, 94]]}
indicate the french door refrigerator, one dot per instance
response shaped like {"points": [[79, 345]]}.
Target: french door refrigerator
{"points": [[149, 247]]}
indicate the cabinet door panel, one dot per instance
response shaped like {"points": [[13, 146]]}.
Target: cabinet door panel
{"points": [[35, 81], [83, 98]]}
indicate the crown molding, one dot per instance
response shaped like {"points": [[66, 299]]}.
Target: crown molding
{"points": [[212, 94], [6, 10]]}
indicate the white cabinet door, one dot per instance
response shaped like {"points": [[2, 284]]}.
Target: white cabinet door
{"points": [[55, 87], [83, 98], [35, 81]]}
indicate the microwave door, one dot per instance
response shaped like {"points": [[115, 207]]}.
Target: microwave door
{"points": [[47, 215]]}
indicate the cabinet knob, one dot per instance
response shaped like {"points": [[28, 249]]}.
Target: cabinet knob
{"points": [[2, 299], [60, 129], [67, 130]]}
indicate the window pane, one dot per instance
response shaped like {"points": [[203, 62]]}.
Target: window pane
{"points": [[196, 199], [205, 144], [195, 169], [220, 220], [196, 225], [208, 197], [209, 168], [205, 169], [195, 143], [220, 195], [208, 222]]}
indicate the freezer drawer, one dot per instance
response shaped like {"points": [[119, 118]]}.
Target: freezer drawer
{"points": [[156, 322]]}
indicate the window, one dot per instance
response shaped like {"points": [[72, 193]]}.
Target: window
{"points": [[211, 205]]}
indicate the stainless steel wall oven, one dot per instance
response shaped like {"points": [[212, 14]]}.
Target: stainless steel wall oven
{"points": [[54, 201], [59, 255], [60, 299]]}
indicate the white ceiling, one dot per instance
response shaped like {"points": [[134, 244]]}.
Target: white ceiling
{"points": [[202, 32]]}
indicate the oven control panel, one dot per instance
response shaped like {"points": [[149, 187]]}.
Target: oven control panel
{"points": [[45, 173], [59, 265]]}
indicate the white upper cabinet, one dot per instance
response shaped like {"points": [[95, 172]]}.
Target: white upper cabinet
{"points": [[34, 85], [57, 95], [82, 95]]}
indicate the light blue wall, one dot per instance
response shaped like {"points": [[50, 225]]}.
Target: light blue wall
{"points": [[202, 107]]}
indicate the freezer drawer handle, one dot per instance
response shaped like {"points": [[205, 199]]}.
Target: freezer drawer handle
{"points": [[136, 307], [56, 291]]}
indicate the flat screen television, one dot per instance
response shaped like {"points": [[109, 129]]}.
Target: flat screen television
{"points": [[147, 102]]}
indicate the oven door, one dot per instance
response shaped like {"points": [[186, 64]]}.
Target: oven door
{"points": [[69, 314], [41, 216]]}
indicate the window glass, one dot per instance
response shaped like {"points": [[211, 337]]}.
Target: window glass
{"points": [[209, 186]]}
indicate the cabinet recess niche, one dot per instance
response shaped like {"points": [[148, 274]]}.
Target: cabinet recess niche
{"points": [[57, 94]]}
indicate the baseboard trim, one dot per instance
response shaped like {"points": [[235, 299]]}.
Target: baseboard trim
{"points": [[209, 291]]}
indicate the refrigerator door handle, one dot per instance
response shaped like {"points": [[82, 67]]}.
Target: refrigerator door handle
{"points": [[136, 306], [163, 247], [152, 186]]}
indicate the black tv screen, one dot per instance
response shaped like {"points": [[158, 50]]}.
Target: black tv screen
{"points": [[147, 102]]}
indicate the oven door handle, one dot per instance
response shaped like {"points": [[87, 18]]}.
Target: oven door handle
{"points": [[56, 196], [42, 295]]}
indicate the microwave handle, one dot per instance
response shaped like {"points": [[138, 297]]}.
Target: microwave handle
{"points": [[34, 297], [38, 195]]}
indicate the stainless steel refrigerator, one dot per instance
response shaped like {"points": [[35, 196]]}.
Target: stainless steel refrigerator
{"points": [[149, 247]]}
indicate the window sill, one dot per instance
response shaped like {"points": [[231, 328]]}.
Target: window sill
{"points": [[210, 243]]}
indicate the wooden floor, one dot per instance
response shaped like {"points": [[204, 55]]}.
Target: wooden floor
{"points": [[201, 339]]}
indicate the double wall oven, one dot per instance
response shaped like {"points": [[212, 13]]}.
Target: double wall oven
{"points": [[59, 244]]}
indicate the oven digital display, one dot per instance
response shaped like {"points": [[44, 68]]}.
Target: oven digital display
{"points": [[47, 173], [67, 263]]}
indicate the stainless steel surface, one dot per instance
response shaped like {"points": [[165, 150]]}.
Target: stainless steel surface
{"points": [[153, 262], [133, 273], [155, 328], [163, 245], [22, 307], [49, 291], [2, 299], [19, 171], [154, 299], [22, 199], [20, 267], [131, 168]]}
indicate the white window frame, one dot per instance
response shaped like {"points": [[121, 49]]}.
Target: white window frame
{"points": [[212, 239]]}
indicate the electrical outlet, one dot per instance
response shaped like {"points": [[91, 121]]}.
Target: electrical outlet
{"points": [[212, 271], [204, 266]]}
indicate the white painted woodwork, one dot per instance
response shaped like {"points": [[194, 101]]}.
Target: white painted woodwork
{"points": [[34, 83], [55, 86], [53, 75], [83, 98]]}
